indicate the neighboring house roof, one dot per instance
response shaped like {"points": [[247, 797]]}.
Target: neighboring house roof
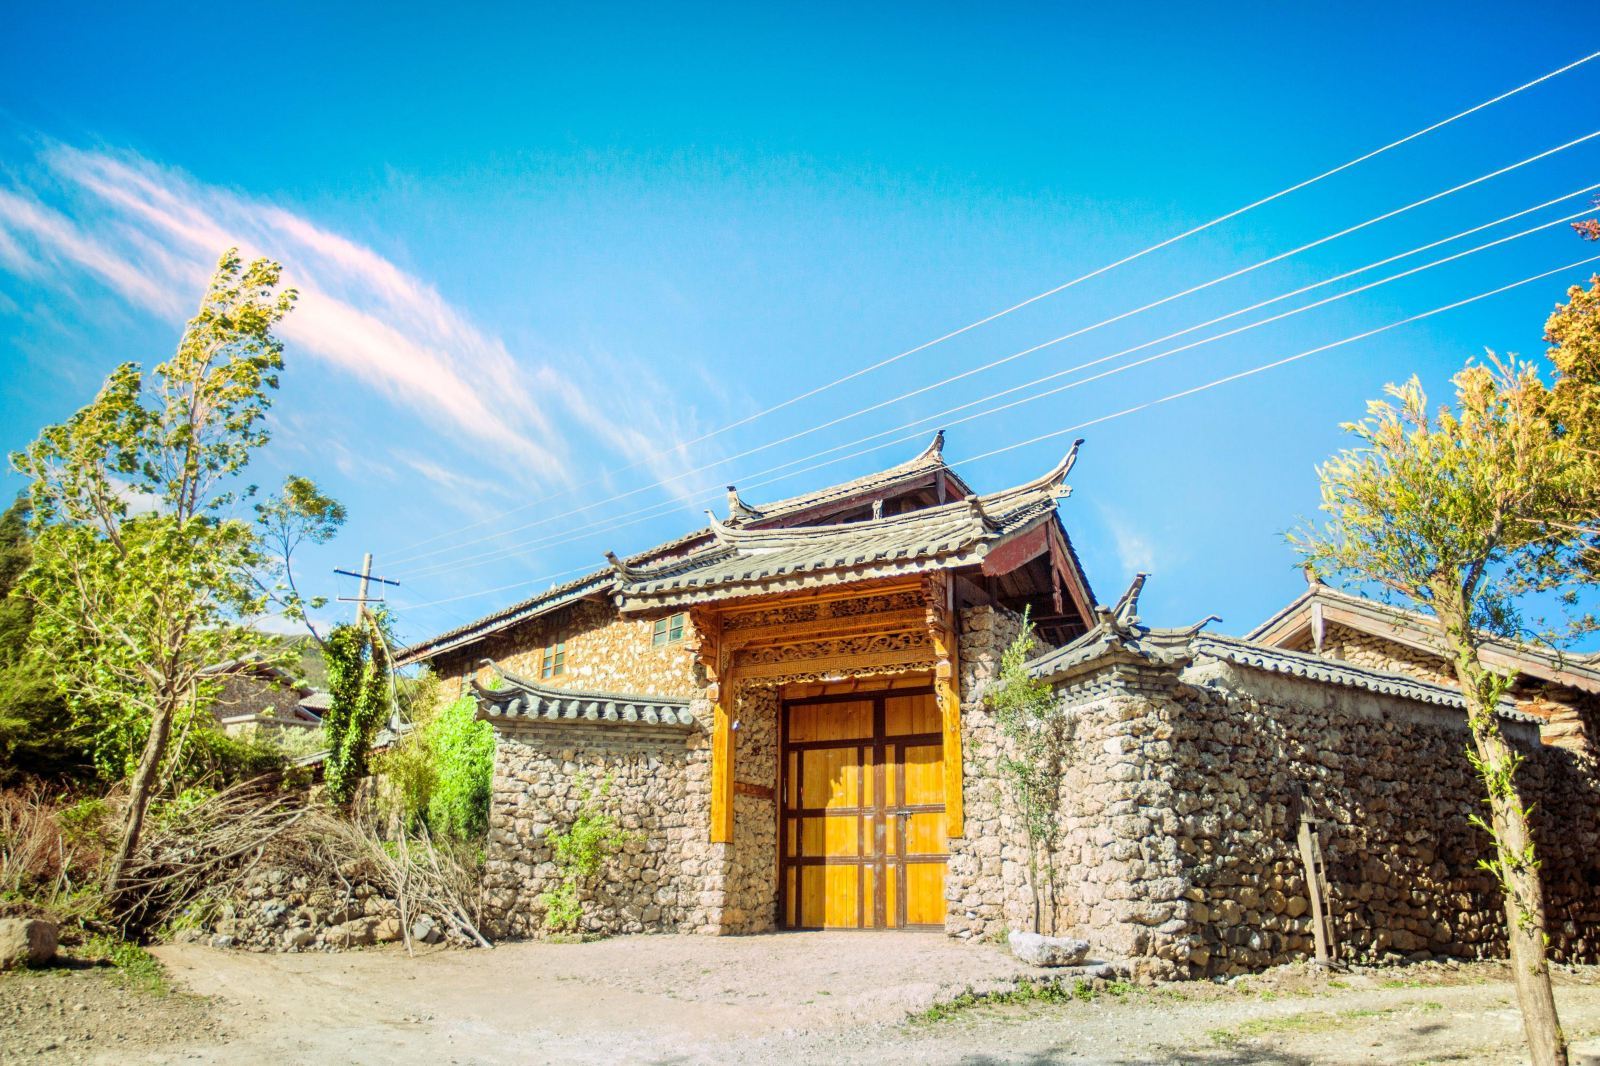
{"points": [[1120, 636], [746, 561], [722, 541], [254, 666], [1301, 621], [317, 704], [522, 700]]}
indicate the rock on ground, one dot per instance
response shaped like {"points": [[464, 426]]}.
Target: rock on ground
{"points": [[1039, 950], [26, 942]]}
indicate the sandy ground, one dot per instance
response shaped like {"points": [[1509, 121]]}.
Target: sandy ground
{"points": [[793, 998]]}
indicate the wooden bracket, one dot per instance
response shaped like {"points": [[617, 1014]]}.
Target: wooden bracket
{"points": [[939, 594]]}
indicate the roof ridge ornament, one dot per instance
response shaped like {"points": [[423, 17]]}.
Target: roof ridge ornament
{"points": [[1056, 480], [724, 533], [976, 512], [622, 569], [1126, 612], [934, 452], [738, 510]]}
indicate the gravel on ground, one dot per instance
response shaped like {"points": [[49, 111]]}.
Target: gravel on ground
{"points": [[782, 999]]}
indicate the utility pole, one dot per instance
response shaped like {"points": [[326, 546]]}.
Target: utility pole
{"points": [[363, 598]]}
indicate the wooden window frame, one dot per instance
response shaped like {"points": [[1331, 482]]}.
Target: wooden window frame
{"points": [[669, 629], [553, 659]]}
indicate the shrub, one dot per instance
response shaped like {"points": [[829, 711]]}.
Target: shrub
{"points": [[579, 852], [439, 775], [463, 760]]}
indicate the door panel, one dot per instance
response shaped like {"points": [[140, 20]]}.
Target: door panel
{"points": [[862, 821]]}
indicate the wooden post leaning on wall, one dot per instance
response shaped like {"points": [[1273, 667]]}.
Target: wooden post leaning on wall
{"points": [[939, 593], [716, 657]]}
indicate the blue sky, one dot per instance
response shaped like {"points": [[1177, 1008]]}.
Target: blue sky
{"points": [[539, 247]]}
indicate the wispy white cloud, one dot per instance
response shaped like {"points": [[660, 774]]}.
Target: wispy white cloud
{"points": [[1136, 552], [151, 234]]}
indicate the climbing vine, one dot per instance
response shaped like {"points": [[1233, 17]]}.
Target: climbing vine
{"points": [[579, 851], [358, 691], [1026, 713]]}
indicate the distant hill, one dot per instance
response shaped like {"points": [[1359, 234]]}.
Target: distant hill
{"points": [[310, 663]]}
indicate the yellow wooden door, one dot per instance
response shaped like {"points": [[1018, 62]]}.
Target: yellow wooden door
{"points": [[862, 820]]}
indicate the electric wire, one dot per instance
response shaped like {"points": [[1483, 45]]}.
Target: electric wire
{"points": [[1003, 360], [655, 509], [1237, 212], [1183, 393]]}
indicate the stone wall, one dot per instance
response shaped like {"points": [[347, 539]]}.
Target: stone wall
{"points": [[752, 903], [604, 653], [986, 888], [1182, 801], [668, 878], [1376, 653]]}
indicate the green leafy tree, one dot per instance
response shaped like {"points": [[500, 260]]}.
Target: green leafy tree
{"points": [[1028, 716], [142, 574], [462, 746], [1471, 513], [359, 698], [38, 736]]}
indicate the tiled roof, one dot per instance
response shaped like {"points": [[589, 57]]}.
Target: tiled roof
{"points": [[519, 699], [922, 464], [602, 581], [747, 561], [1418, 630], [1176, 648], [543, 603]]}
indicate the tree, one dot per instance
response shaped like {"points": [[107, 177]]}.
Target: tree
{"points": [[1472, 513], [142, 574], [359, 694], [1027, 713], [37, 734]]}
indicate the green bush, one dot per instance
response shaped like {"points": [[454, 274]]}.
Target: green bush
{"points": [[439, 775], [580, 851], [463, 759]]}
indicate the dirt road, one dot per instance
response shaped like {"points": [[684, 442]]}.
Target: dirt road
{"points": [[803, 998]]}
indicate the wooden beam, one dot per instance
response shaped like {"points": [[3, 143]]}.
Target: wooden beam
{"points": [[946, 690], [827, 628], [855, 590], [1016, 551], [823, 664], [713, 655]]}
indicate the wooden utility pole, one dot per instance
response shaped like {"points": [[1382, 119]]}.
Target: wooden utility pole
{"points": [[363, 598]]}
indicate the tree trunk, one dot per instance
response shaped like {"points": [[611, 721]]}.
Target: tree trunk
{"points": [[1517, 864], [144, 779], [1524, 903]]}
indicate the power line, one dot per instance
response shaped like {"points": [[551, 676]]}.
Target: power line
{"points": [[681, 446], [497, 553], [1280, 362], [1385, 216], [1227, 379]]}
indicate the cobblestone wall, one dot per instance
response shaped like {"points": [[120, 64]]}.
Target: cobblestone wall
{"points": [[604, 653], [668, 878], [986, 888], [1183, 796], [752, 904]]}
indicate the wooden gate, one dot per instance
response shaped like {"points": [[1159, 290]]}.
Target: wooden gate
{"points": [[861, 824]]}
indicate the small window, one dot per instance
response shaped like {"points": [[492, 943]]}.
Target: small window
{"points": [[668, 630], [554, 662]]}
